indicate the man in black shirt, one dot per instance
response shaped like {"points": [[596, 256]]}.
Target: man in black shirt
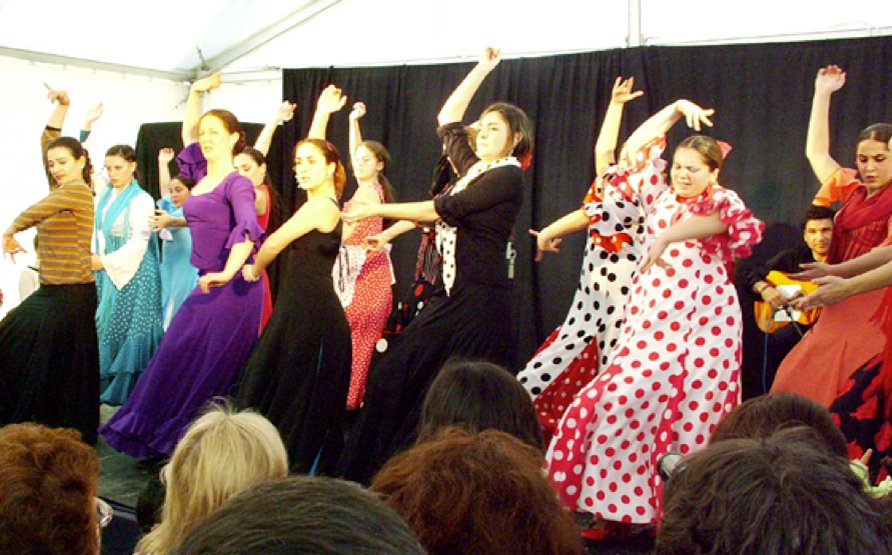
{"points": [[817, 227]]}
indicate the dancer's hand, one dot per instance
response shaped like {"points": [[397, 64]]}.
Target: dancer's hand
{"points": [[693, 114], [830, 79], [545, 243], [358, 211], [249, 272], [57, 95], [11, 247], [813, 270], [653, 256], [358, 111], [832, 290], [93, 113], [490, 58], [622, 91], [206, 84], [285, 112], [331, 99], [160, 220], [773, 297], [376, 242], [213, 279], [165, 155]]}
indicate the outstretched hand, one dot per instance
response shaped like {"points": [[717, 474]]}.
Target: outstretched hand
{"points": [[358, 211], [94, 113], [813, 270], [331, 99], [11, 247], [213, 279], [653, 256], [832, 290], [694, 115], [206, 84], [545, 243], [830, 79], [622, 91], [374, 243]]}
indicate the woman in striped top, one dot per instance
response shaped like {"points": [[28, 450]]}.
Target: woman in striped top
{"points": [[48, 347]]}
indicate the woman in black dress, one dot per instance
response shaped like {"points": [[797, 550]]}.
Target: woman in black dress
{"points": [[470, 315], [299, 372]]}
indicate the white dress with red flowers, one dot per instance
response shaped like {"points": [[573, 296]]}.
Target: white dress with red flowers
{"points": [[674, 373], [574, 352]]}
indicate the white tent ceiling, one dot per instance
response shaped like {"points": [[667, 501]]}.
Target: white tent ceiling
{"points": [[162, 38]]}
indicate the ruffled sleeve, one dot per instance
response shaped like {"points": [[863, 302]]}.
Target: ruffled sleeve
{"points": [[240, 193], [191, 163], [744, 229], [122, 264], [838, 187]]}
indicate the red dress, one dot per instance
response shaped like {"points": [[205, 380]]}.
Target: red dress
{"points": [[263, 220], [363, 281]]}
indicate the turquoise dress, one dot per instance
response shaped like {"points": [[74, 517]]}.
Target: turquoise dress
{"points": [[178, 276], [128, 317]]}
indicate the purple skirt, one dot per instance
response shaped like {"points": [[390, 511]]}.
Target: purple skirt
{"points": [[199, 358]]}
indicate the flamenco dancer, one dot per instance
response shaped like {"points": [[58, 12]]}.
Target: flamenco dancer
{"points": [[571, 356], [675, 371], [848, 339], [467, 318]]}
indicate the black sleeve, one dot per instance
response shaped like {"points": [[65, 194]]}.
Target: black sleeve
{"points": [[494, 187], [459, 150]]}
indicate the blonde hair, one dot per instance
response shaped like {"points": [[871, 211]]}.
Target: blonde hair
{"points": [[222, 453]]}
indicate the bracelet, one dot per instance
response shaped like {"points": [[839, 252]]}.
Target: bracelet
{"points": [[763, 288]]}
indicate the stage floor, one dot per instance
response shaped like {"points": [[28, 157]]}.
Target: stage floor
{"points": [[122, 476]]}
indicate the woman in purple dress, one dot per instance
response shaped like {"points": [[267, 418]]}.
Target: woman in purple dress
{"points": [[215, 329]]}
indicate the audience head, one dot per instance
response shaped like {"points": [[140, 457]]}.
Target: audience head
{"points": [[310, 173], [251, 163], [48, 484], [68, 160], [760, 417], [477, 493], [120, 165], [695, 165], [780, 494], [220, 135], [222, 453], [504, 130], [873, 158], [817, 229], [479, 396], [301, 514]]}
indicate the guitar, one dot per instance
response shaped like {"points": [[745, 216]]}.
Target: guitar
{"points": [[769, 319]]}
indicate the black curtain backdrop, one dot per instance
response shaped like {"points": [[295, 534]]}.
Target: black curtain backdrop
{"points": [[762, 96]]}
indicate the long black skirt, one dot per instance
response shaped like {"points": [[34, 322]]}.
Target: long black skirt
{"points": [[474, 323], [49, 360]]}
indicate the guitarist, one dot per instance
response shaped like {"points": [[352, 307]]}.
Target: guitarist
{"points": [[817, 227]]}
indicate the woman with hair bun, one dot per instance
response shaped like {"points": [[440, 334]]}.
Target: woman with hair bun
{"points": [[48, 348], [299, 372], [128, 281], [213, 332], [467, 316]]}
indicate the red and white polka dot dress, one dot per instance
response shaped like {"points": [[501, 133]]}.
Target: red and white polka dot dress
{"points": [[371, 300], [572, 355], [674, 374]]}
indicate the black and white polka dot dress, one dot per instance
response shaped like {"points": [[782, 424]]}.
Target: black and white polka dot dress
{"points": [[572, 355]]}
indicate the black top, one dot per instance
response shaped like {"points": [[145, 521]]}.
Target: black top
{"points": [[787, 261], [484, 213]]}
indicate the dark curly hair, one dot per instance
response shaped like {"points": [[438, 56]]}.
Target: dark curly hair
{"points": [[477, 493], [49, 483]]}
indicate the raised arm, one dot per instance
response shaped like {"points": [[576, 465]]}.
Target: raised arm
{"points": [[193, 107], [285, 112], [457, 103], [355, 132], [93, 113], [331, 99], [817, 143], [605, 146], [374, 243], [60, 98], [549, 238], [659, 123], [834, 289], [165, 155]]}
